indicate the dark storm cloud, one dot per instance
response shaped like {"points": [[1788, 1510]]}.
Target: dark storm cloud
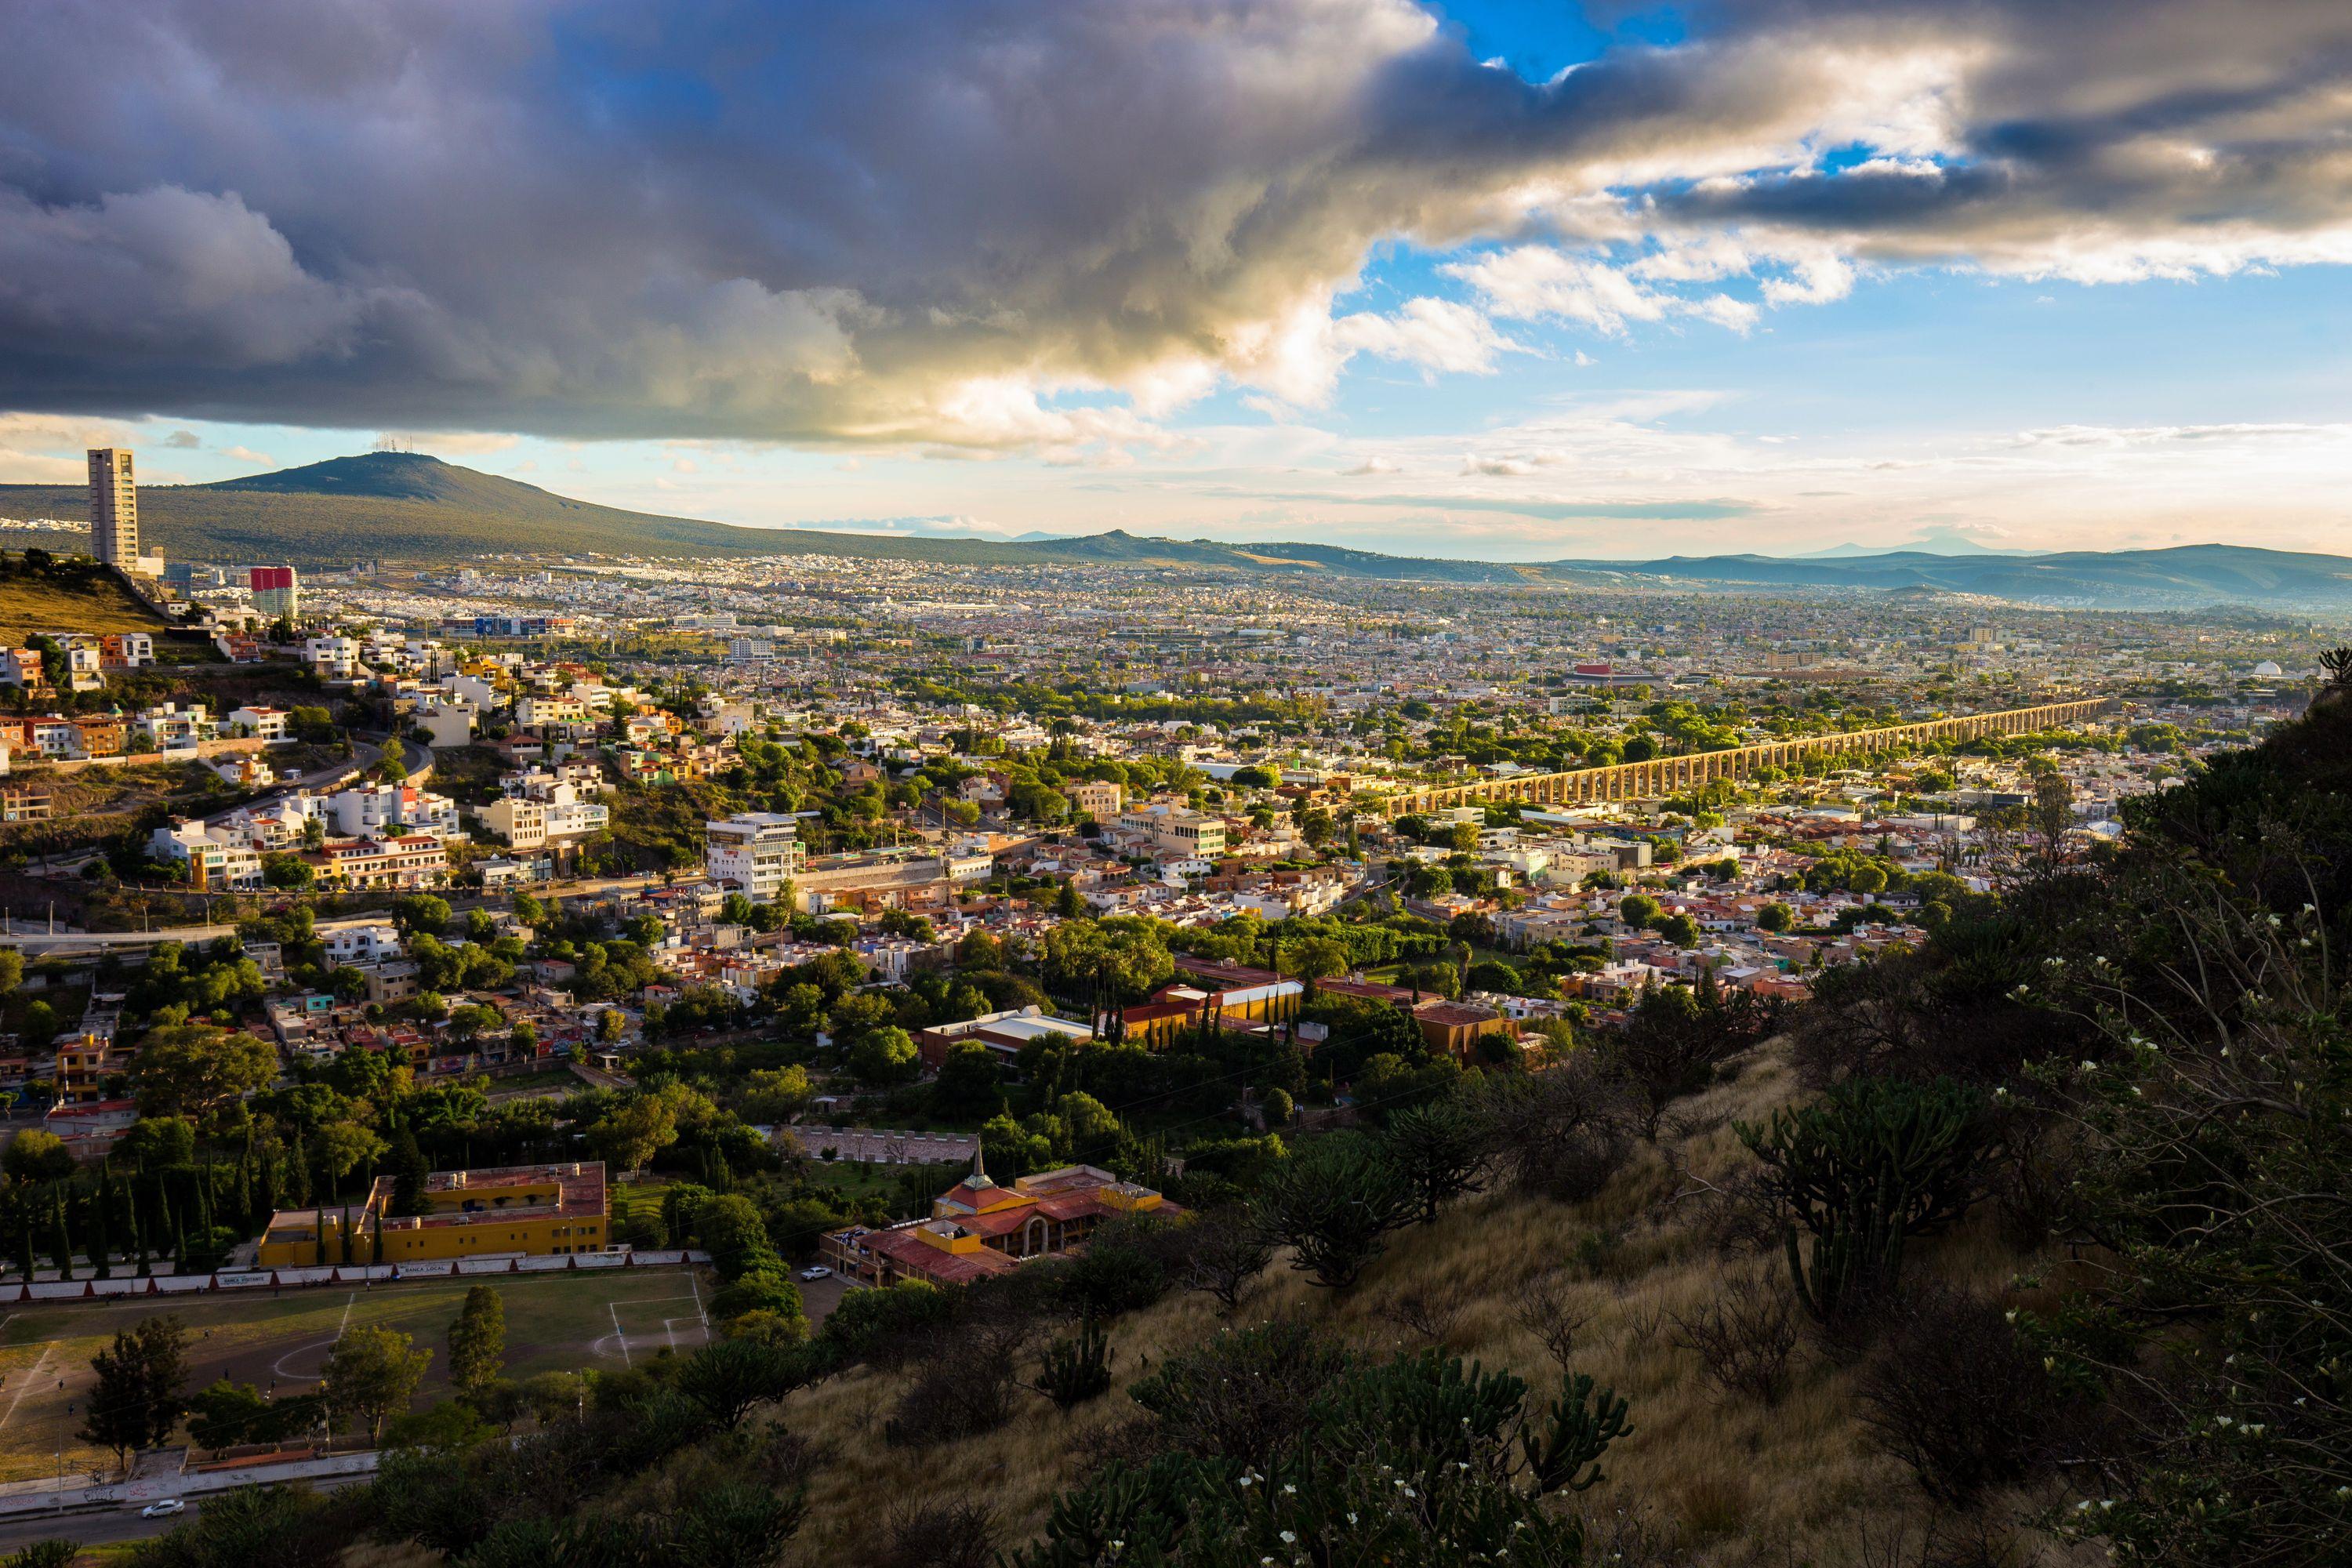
{"points": [[893, 221]]}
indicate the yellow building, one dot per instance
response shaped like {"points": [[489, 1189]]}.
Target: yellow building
{"points": [[536, 1210]]}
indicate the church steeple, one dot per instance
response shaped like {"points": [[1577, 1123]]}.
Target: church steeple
{"points": [[979, 1178]]}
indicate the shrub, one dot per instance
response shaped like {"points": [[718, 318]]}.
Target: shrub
{"points": [[1953, 1393], [1241, 1395], [1562, 1133], [1223, 1252], [1332, 1203], [938, 1535], [951, 1400], [1744, 1337]]}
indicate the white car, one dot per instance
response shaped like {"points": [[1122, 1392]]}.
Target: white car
{"points": [[164, 1508], [816, 1271]]}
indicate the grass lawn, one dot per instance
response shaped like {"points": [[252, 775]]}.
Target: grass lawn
{"points": [[852, 1179], [555, 1323], [562, 1080]]}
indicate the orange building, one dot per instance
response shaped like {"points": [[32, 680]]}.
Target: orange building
{"points": [[978, 1228]]}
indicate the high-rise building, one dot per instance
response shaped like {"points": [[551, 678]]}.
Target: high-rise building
{"points": [[114, 508], [276, 593]]}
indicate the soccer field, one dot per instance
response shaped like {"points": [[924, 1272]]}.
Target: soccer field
{"points": [[555, 1323]]}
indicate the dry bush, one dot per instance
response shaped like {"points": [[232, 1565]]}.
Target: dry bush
{"points": [[952, 1534], [1743, 1337], [1551, 1309], [1561, 1133], [1225, 1253], [1953, 1394], [966, 1388], [1419, 1312]]}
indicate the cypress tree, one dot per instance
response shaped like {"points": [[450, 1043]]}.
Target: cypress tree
{"points": [[346, 1226], [25, 1243], [244, 1217], [98, 1238], [60, 1243], [137, 1236]]}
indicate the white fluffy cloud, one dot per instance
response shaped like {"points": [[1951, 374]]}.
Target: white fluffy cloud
{"points": [[1004, 224]]}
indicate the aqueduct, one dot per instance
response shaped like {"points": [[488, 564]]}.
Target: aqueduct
{"points": [[1670, 775]]}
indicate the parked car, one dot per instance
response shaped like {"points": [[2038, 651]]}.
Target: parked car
{"points": [[816, 1271], [164, 1508]]}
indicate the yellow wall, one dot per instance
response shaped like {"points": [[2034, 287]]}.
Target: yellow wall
{"points": [[540, 1235]]}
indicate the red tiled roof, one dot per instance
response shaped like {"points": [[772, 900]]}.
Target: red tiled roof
{"points": [[915, 1256]]}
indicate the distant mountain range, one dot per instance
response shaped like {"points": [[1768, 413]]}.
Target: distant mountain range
{"points": [[407, 507]]}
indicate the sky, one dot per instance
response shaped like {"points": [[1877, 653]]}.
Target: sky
{"points": [[1501, 278]]}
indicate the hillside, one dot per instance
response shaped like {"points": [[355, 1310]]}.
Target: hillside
{"points": [[1705, 1476], [412, 508], [74, 597], [2182, 576]]}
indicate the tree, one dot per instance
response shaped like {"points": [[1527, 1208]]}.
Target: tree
{"points": [[968, 1087], [727, 1379], [36, 1155], [729, 1227], [225, 1414], [420, 912], [478, 1342], [884, 1056], [1440, 1149], [1775, 916], [136, 1401], [1331, 1205], [370, 1373], [628, 1138], [1680, 929], [1637, 910], [408, 1175], [191, 1069], [1224, 1251]]}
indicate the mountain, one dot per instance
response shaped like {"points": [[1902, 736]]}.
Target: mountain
{"points": [[2180, 576], [407, 507]]}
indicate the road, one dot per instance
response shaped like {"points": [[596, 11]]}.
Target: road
{"points": [[101, 1526]]}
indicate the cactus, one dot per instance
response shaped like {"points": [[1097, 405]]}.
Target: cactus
{"points": [[1856, 1251], [1072, 1371], [1874, 1161], [1576, 1430]]}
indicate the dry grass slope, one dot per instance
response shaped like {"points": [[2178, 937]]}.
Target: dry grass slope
{"points": [[1730, 1481], [31, 605]]}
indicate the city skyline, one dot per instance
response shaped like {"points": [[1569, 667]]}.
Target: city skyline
{"points": [[1474, 279]]}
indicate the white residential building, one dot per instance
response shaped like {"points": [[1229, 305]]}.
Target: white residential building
{"points": [[215, 858], [373, 942], [1176, 831], [331, 658], [262, 723], [756, 852]]}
